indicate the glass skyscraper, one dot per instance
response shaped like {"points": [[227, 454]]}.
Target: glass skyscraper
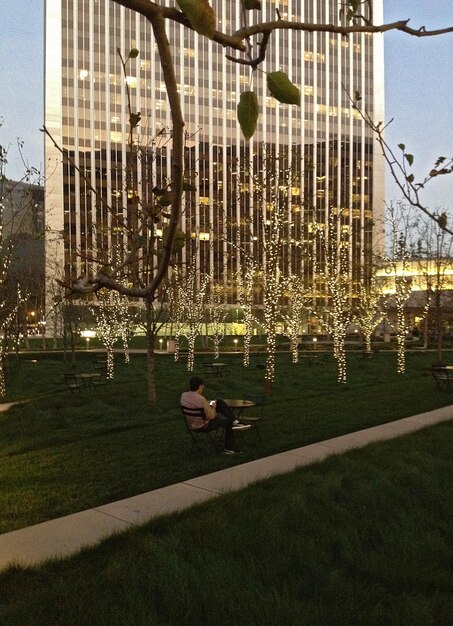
{"points": [[333, 160]]}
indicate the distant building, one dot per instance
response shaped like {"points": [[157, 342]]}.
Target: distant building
{"points": [[23, 223], [430, 282], [334, 159]]}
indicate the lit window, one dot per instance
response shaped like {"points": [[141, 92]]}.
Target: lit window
{"points": [[115, 136]]}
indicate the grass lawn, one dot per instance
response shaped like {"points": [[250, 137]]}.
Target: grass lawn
{"points": [[64, 452], [365, 538]]}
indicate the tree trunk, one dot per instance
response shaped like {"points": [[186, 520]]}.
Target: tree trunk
{"points": [[152, 391], [439, 337], [151, 356]]}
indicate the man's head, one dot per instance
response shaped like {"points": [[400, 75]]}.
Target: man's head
{"points": [[196, 384]]}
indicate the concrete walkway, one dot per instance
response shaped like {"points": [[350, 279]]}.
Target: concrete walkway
{"points": [[67, 535]]}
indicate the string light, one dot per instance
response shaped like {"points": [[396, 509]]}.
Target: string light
{"points": [[333, 280], [216, 317], [112, 321], [402, 285], [9, 307], [369, 310], [189, 302], [295, 292], [245, 298]]}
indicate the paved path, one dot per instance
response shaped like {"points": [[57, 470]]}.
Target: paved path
{"points": [[67, 535]]}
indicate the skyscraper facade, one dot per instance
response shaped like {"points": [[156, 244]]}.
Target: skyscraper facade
{"points": [[321, 152]]}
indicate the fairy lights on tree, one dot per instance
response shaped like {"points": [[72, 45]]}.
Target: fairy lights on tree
{"points": [[112, 322], [10, 302], [369, 310], [245, 287], [190, 308], [400, 275], [332, 283], [216, 317], [273, 193], [294, 292]]}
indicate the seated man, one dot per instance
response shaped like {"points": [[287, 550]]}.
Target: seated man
{"points": [[218, 414]]}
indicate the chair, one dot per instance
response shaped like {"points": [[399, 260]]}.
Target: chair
{"points": [[213, 436], [209, 370], [254, 420], [441, 377], [72, 382]]}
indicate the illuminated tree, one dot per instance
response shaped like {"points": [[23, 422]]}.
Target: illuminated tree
{"points": [[432, 257], [246, 278], [369, 309], [189, 307], [400, 277], [112, 322], [17, 212], [272, 192], [332, 293], [216, 316], [295, 295]]}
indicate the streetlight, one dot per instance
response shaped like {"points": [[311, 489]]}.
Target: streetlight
{"points": [[160, 344], [235, 344], [88, 334], [315, 339]]}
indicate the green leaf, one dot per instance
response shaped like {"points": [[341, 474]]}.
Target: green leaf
{"points": [[178, 242], [248, 112], [410, 178], [188, 187], [442, 220], [164, 200], [401, 146], [440, 160], [200, 15], [250, 5], [133, 53], [357, 95], [282, 88], [409, 158]]}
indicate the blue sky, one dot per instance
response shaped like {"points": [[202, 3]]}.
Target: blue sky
{"points": [[419, 87]]}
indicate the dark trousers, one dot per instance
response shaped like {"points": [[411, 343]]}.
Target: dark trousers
{"points": [[224, 419]]}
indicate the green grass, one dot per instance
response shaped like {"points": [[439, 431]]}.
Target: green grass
{"points": [[364, 538], [63, 452]]}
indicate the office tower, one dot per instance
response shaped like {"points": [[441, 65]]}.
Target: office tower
{"points": [[324, 143]]}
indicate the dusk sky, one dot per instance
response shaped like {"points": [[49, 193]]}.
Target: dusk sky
{"points": [[418, 72]]}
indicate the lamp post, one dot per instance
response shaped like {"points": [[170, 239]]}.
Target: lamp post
{"points": [[160, 344], [88, 334], [235, 345], [315, 339]]}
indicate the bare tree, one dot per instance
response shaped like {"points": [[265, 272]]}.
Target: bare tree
{"points": [[398, 261], [432, 256]]}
